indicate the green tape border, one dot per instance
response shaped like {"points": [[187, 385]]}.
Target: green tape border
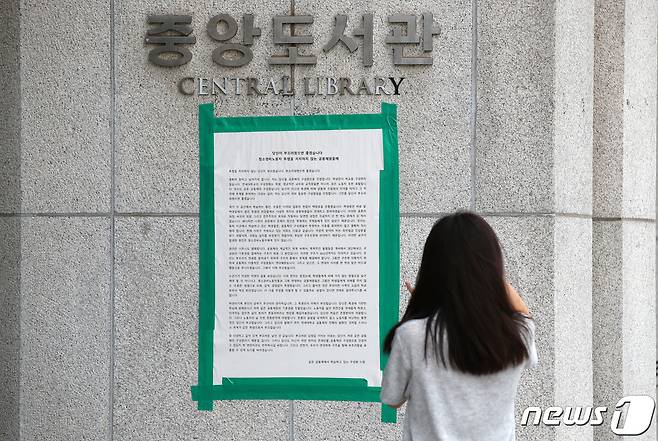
{"points": [[331, 389]]}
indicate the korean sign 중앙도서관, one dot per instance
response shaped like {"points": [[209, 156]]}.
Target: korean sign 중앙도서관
{"points": [[171, 42]]}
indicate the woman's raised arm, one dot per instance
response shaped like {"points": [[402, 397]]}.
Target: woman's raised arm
{"points": [[515, 299]]}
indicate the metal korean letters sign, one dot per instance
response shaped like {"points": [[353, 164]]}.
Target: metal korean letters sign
{"points": [[170, 40]]}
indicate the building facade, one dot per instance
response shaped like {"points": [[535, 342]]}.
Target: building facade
{"points": [[538, 114]]}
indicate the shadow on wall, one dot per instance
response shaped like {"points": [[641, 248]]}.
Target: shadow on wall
{"points": [[10, 223], [10, 234]]}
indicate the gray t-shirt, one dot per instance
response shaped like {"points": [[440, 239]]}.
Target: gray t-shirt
{"points": [[444, 404]]}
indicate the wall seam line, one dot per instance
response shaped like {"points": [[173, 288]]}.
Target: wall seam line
{"points": [[113, 89], [473, 112], [402, 214], [19, 54], [38, 214]]}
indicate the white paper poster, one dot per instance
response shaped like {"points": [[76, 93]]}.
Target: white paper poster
{"points": [[297, 254]]}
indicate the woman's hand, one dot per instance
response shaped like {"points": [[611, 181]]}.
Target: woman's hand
{"points": [[409, 287], [515, 299]]}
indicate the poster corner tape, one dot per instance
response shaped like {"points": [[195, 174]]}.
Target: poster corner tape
{"points": [[204, 405], [389, 414], [389, 108], [206, 107], [201, 393]]}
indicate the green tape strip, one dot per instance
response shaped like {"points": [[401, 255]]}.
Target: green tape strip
{"points": [[206, 249], [389, 414], [389, 238], [326, 389], [305, 122], [389, 272]]}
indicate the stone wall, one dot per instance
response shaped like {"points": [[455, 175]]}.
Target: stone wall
{"points": [[539, 114]]}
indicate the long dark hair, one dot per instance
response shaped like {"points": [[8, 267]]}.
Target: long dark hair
{"points": [[461, 288]]}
